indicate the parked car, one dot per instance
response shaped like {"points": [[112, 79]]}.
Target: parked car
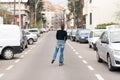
{"points": [[10, 40], [108, 48], [94, 36], [24, 42], [72, 34], [68, 33], [34, 31], [31, 38], [82, 35]]}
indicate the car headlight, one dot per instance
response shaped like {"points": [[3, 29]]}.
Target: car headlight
{"points": [[116, 52], [82, 37]]}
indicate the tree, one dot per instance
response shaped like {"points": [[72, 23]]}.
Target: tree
{"points": [[38, 12], [76, 8]]}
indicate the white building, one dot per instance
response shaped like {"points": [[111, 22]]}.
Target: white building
{"points": [[8, 5], [100, 11]]}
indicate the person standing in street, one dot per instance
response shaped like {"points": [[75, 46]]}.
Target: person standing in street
{"points": [[61, 37]]}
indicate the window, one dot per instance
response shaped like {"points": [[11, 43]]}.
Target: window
{"points": [[90, 1], [104, 37], [91, 34], [90, 18]]}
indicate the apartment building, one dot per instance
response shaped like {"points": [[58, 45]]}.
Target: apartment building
{"points": [[13, 8], [100, 11], [53, 14]]}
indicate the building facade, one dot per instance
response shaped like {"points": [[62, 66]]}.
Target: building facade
{"points": [[53, 14], [16, 10], [99, 12]]}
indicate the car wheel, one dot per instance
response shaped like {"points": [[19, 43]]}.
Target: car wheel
{"points": [[98, 57], [26, 46], [30, 41], [8, 53], [90, 46], [110, 67], [94, 46], [23, 47]]}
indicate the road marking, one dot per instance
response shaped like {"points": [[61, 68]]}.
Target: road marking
{"points": [[76, 53], [91, 68], [99, 77], [74, 50], [84, 61], [26, 52], [31, 48], [80, 57], [1, 75], [21, 56], [10, 67], [17, 60]]}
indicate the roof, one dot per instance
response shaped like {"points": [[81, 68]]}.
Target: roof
{"points": [[13, 0]]}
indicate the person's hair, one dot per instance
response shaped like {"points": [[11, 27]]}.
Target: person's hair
{"points": [[62, 27]]}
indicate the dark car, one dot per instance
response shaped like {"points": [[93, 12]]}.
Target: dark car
{"points": [[72, 34], [82, 35]]}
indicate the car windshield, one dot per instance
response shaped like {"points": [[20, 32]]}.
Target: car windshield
{"points": [[84, 32], [33, 31], [97, 33], [115, 37]]}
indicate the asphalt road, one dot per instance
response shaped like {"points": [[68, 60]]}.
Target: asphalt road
{"points": [[35, 63]]}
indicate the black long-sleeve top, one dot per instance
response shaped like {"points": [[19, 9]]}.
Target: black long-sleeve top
{"points": [[61, 35]]}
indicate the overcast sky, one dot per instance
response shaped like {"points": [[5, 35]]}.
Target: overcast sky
{"points": [[61, 2]]}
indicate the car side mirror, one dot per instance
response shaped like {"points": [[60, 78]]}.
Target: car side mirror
{"points": [[106, 42]]}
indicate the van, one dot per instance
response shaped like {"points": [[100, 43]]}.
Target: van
{"points": [[10, 40]]}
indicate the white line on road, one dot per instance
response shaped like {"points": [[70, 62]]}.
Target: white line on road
{"points": [[99, 77], [17, 60], [2, 74], [74, 50], [76, 53], [91, 68], [10, 67], [21, 56], [84, 61], [26, 52], [80, 57]]}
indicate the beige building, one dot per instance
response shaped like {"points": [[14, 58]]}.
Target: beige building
{"points": [[53, 14]]}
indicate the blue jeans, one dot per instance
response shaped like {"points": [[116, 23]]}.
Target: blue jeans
{"points": [[61, 54]]}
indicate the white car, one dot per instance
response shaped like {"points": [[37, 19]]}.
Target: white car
{"points": [[31, 38], [108, 48], [34, 31], [93, 37]]}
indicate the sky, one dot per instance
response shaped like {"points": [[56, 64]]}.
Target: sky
{"points": [[60, 2]]}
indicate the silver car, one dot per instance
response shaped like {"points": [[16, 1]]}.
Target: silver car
{"points": [[108, 48], [35, 31], [93, 37], [31, 38]]}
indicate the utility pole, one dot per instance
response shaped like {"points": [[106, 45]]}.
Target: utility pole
{"points": [[14, 11]]}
